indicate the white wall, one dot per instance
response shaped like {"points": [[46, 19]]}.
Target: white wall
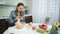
{"points": [[59, 10], [43, 8]]}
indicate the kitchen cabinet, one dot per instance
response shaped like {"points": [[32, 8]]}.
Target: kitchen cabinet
{"points": [[5, 3], [3, 25], [13, 2]]}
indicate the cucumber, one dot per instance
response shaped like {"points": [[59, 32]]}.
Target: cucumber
{"points": [[41, 30]]}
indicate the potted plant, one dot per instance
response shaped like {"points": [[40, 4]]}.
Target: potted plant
{"points": [[47, 20]]}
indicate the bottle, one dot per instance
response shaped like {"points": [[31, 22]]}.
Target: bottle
{"points": [[18, 20], [59, 29]]}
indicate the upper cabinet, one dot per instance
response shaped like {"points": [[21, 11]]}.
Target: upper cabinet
{"points": [[13, 2]]}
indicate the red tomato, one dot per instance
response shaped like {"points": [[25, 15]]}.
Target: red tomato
{"points": [[43, 26], [33, 28]]}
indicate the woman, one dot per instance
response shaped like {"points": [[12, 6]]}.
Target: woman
{"points": [[16, 14]]}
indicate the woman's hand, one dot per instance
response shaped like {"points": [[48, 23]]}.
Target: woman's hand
{"points": [[21, 18], [18, 17]]}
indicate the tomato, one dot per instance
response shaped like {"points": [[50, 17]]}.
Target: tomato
{"points": [[43, 26], [33, 28]]}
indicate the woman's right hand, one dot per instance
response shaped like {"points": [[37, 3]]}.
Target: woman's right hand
{"points": [[17, 17]]}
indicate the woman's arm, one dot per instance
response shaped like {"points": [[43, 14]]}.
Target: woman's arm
{"points": [[12, 20]]}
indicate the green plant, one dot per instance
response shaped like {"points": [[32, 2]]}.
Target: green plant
{"points": [[47, 19], [54, 31]]}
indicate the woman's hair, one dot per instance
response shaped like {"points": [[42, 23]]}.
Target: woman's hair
{"points": [[19, 4]]}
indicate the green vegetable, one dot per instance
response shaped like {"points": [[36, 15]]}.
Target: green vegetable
{"points": [[41, 30], [47, 19], [54, 31]]}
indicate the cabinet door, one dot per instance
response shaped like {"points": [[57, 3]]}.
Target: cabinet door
{"points": [[3, 25], [11, 2], [15, 2]]}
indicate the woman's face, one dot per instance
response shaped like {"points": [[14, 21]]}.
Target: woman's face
{"points": [[20, 8]]}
